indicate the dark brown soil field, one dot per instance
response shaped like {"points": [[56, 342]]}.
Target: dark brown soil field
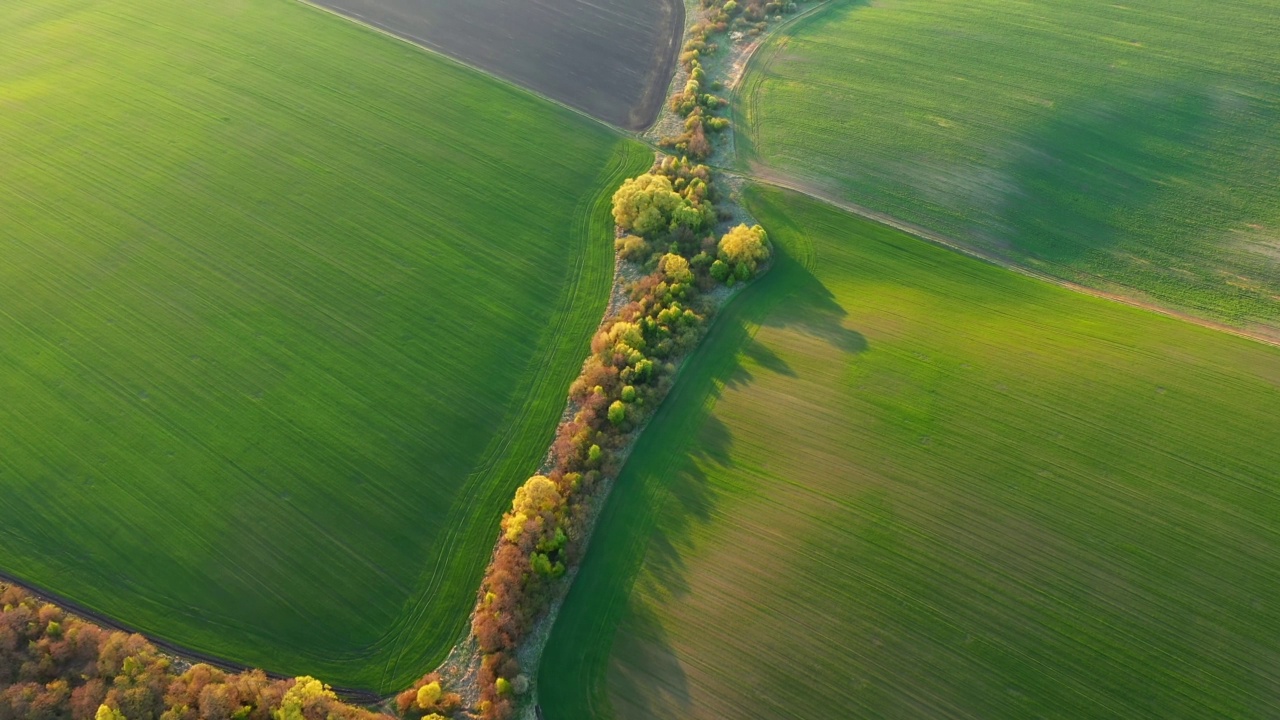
{"points": [[610, 58]]}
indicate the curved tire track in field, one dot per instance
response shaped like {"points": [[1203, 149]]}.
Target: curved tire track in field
{"points": [[478, 487]]}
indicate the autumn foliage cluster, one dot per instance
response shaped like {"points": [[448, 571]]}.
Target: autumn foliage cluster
{"points": [[428, 699], [669, 214], [54, 666], [697, 103]]}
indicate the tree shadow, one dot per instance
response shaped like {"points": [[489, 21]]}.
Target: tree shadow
{"points": [[812, 309], [762, 355], [809, 308], [665, 495], [648, 677]]}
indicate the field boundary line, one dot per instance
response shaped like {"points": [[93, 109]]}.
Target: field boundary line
{"points": [[785, 182], [419, 44], [756, 170], [179, 651]]}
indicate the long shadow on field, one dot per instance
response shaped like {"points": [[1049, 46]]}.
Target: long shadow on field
{"points": [[813, 310], [612, 649], [648, 679]]}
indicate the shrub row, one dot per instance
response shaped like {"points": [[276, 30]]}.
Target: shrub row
{"points": [[55, 666], [696, 103], [669, 214]]}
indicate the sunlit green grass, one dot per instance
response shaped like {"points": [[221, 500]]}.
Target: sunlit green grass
{"points": [[1125, 145], [898, 482], [287, 309]]}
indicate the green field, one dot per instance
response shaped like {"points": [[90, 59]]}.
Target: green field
{"points": [[1130, 146], [898, 482], [287, 310]]}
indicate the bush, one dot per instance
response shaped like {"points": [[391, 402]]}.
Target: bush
{"points": [[675, 268], [631, 248], [743, 249], [648, 206], [618, 412], [106, 713], [538, 495], [720, 270], [305, 693], [428, 695]]}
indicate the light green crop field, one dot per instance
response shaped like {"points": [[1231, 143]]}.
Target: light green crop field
{"points": [[287, 310], [1130, 146], [899, 482]]}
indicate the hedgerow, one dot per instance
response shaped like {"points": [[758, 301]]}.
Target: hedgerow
{"points": [[697, 103], [669, 214], [56, 666]]}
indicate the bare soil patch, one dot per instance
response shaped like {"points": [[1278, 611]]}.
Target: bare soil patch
{"points": [[611, 59]]}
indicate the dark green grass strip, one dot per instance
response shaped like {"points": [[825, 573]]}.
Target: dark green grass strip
{"points": [[898, 482], [287, 310]]}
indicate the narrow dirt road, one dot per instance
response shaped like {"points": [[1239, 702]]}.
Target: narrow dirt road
{"points": [[767, 176]]}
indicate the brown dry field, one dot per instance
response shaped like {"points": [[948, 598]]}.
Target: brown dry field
{"points": [[611, 59]]}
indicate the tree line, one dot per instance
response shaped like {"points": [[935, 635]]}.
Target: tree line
{"points": [[697, 102], [666, 218], [56, 666]]}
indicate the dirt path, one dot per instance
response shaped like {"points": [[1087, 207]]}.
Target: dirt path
{"points": [[767, 176]]}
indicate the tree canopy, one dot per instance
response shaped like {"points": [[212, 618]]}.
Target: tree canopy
{"points": [[743, 249], [649, 206]]}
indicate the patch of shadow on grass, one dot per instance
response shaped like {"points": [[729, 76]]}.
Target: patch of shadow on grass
{"points": [[608, 648], [1093, 178], [647, 678], [765, 357], [690, 501], [812, 309], [646, 674]]}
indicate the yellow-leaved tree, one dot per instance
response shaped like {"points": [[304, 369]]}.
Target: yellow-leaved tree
{"points": [[538, 494], [306, 691], [741, 250]]}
